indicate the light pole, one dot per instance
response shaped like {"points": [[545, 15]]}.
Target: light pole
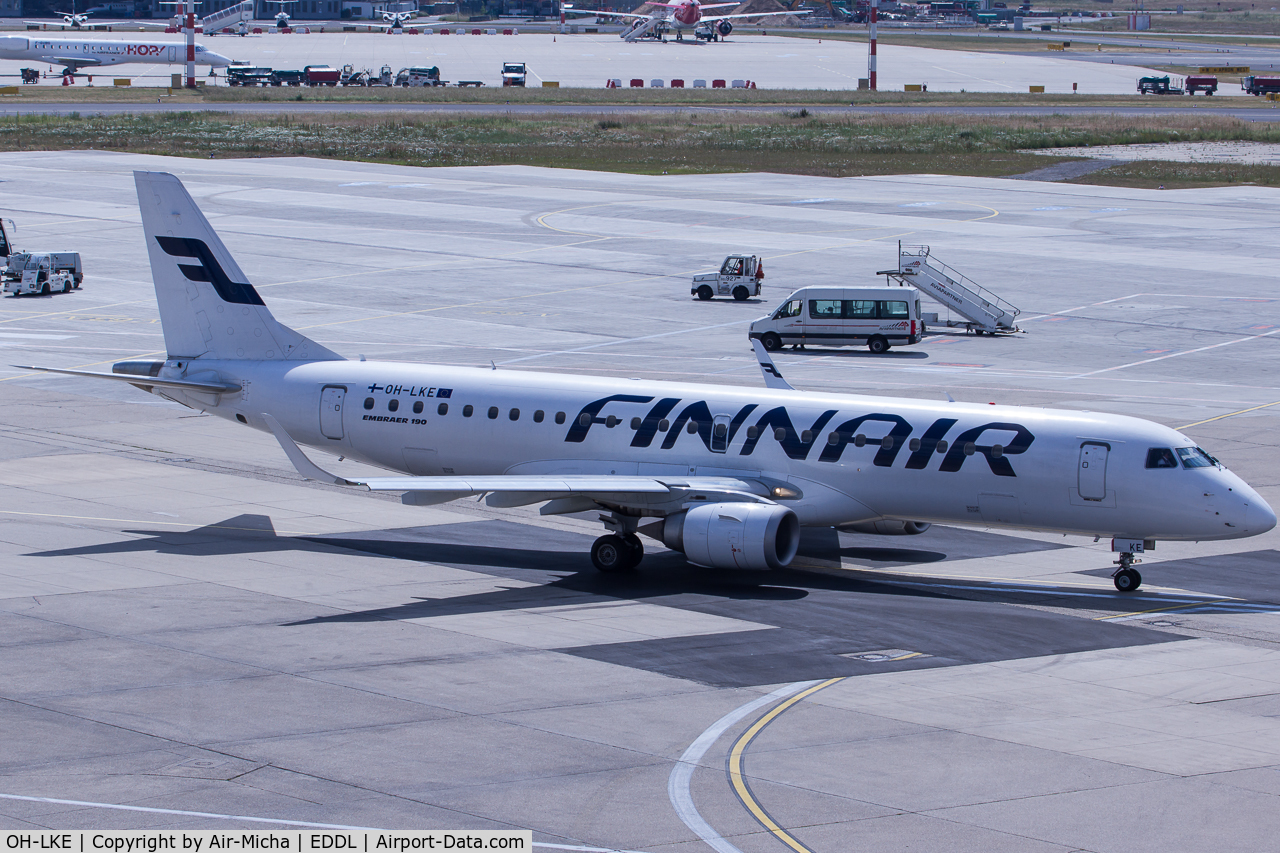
{"points": [[191, 44], [871, 34]]}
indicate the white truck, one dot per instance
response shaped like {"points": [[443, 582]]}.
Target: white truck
{"points": [[739, 277], [42, 273]]}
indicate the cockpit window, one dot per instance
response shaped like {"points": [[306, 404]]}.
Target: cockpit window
{"points": [[1161, 457], [1194, 457]]}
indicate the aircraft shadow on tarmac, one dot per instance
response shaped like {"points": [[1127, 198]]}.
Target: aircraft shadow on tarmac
{"points": [[559, 565]]}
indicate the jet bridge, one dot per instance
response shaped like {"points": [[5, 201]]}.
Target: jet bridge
{"points": [[982, 309]]}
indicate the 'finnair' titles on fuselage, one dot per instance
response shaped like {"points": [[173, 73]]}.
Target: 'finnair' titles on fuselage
{"points": [[98, 52]]}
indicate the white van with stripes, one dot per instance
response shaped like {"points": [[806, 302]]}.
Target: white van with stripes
{"points": [[880, 317]]}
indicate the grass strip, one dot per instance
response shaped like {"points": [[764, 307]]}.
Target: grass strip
{"points": [[795, 142]]}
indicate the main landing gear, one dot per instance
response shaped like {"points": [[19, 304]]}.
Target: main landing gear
{"points": [[621, 550], [1126, 578]]}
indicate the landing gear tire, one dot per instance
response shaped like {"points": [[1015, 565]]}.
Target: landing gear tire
{"points": [[704, 292], [612, 554], [878, 345], [741, 294], [771, 342], [1127, 580]]}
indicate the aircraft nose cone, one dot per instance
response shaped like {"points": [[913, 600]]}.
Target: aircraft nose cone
{"points": [[218, 59], [1259, 517]]}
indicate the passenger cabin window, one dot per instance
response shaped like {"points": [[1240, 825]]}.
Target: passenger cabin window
{"points": [[791, 309], [443, 409], [1194, 457], [559, 417], [538, 416], [860, 309], [393, 405], [368, 403], [825, 309], [467, 410], [493, 413], [417, 407], [1161, 457], [893, 311]]}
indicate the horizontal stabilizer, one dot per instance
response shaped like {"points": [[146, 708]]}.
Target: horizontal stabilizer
{"points": [[179, 384]]}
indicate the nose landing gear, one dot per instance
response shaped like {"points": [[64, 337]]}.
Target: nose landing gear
{"points": [[1126, 578]]}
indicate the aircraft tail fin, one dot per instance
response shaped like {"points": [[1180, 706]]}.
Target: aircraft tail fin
{"points": [[208, 309]]}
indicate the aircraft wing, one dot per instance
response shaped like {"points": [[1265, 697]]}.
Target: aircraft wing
{"points": [[510, 490], [89, 26], [75, 63], [710, 18]]}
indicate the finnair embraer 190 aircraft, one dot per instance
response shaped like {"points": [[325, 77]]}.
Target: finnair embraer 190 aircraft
{"points": [[726, 475], [76, 53]]}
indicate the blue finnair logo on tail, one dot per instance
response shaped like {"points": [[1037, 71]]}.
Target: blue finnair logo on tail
{"points": [[240, 293]]}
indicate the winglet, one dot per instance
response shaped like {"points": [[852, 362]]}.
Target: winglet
{"points": [[772, 378], [305, 466]]}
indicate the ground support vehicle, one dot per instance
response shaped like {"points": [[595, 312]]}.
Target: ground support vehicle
{"points": [[420, 76], [1200, 83], [30, 75], [1157, 86], [44, 273], [514, 73], [241, 75], [15, 263], [880, 317], [288, 78], [984, 312], [739, 277], [322, 75], [1256, 85]]}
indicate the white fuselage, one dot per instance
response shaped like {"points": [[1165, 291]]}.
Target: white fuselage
{"points": [[853, 458], [100, 52]]}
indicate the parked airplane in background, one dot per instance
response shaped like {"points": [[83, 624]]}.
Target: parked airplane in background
{"points": [[686, 14], [282, 17], [395, 21], [726, 475], [77, 53], [81, 21]]}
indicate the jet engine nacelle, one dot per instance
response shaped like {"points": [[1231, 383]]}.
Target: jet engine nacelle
{"points": [[888, 527], [734, 535], [724, 28]]}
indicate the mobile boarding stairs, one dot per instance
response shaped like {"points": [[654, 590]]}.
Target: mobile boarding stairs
{"points": [[983, 310]]}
